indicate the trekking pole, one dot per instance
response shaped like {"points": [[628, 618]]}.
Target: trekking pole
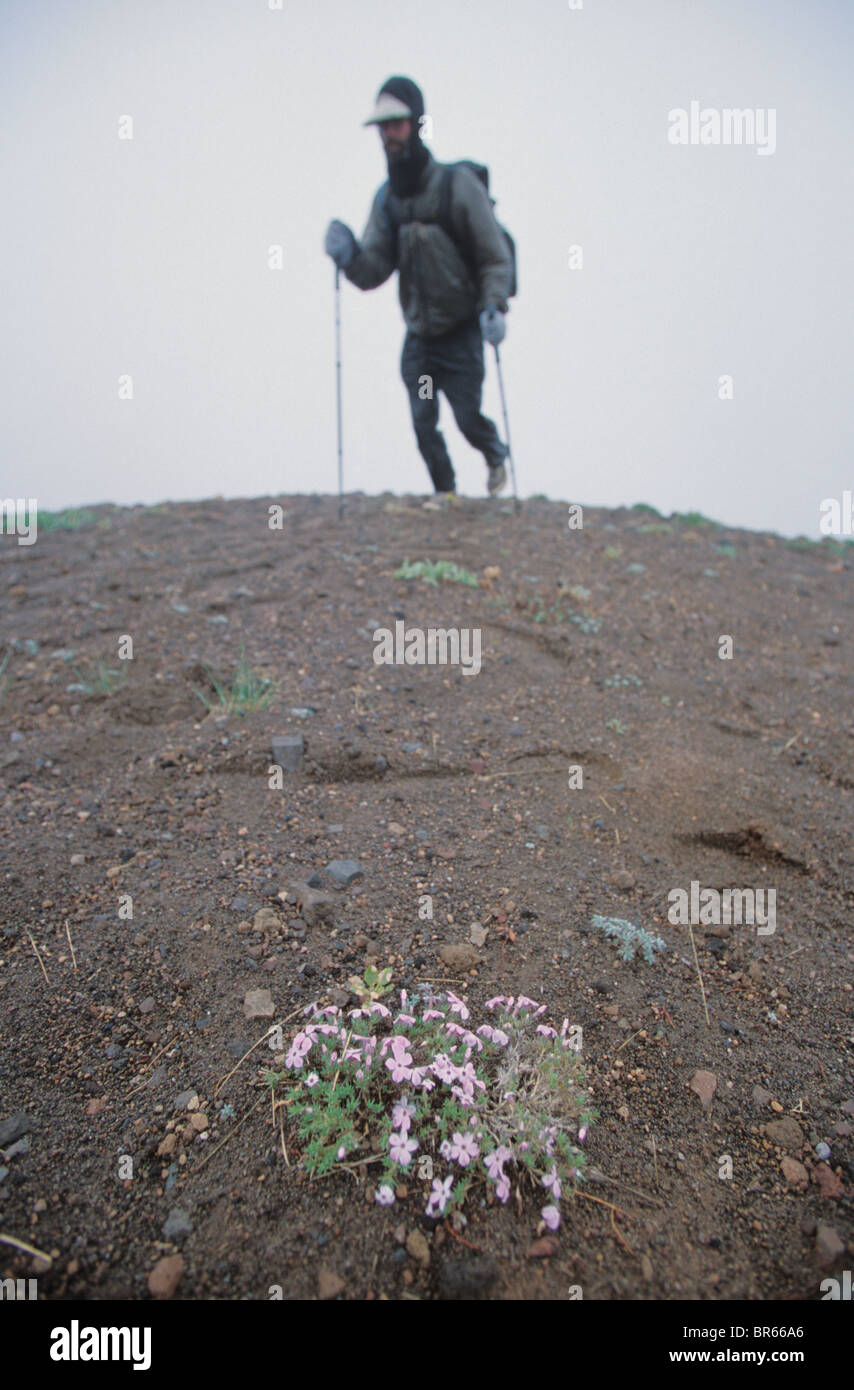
{"points": [[506, 428], [338, 390]]}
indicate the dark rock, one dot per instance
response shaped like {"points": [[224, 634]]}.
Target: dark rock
{"points": [[13, 1128], [345, 871], [467, 1279], [177, 1224]]}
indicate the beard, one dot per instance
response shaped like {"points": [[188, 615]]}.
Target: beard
{"points": [[405, 167]]}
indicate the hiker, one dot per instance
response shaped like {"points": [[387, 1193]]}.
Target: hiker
{"points": [[453, 288]]}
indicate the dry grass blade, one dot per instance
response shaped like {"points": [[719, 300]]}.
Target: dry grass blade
{"points": [[39, 959]]}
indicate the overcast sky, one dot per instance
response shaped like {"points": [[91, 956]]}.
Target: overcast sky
{"points": [[149, 257]]}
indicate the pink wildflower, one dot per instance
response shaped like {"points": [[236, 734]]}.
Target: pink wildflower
{"points": [[502, 1191], [464, 1149], [440, 1196], [551, 1216], [401, 1148], [384, 1195], [552, 1182], [457, 1006]]}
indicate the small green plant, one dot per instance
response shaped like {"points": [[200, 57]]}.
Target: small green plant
{"points": [[693, 519], [71, 519], [613, 552], [426, 1091], [646, 509], [621, 680], [616, 725], [98, 679], [4, 679], [436, 571], [371, 986], [631, 938], [248, 690]]}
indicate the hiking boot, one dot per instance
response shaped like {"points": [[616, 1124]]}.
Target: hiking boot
{"points": [[497, 479]]}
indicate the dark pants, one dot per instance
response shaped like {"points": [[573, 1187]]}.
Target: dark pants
{"points": [[453, 364]]}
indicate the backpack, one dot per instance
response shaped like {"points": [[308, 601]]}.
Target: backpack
{"points": [[399, 210]]}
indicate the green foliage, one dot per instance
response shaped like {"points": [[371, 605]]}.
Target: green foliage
{"points": [[99, 678], [71, 519], [693, 519], [248, 691], [616, 725], [417, 1088], [646, 509], [436, 571], [631, 938], [621, 680]]}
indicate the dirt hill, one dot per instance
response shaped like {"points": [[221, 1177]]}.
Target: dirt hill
{"points": [[600, 652]]}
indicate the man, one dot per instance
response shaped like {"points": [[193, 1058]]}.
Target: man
{"points": [[453, 289]]}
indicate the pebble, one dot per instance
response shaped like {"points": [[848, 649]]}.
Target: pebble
{"points": [[177, 1224], [467, 1279], [316, 908], [258, 1003], [787, 1133], [543, 1249], [822, 1150], [828, 1244], [622, 879], [459, 958], [147, 1005], [416, 1244], [329, 1284], [166, 1276], [344, 871], [183, 1100], [477, 934], [288, 750], [795, 1173], [704, 1084]]}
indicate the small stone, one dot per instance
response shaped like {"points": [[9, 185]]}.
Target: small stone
{"points": [[316, 908], [177, 1224], [12, 1129], [459, 958], [199, 1122], [543, 1249], [822, 1150], [258, 1003], [828, 1183], [416, 1245], [95, 1107], [795, 1173], [828, 1244], [182, 1101], [329, 1284], [622, 879], [147, 1005], [395, 828], [704, 1084], [787, 1133], [467, 1279], [761, 1097], [167, 1146], [288, 752], [646, 1268], [265, 919], [477, 934], [344, 871], [166, 1276]]}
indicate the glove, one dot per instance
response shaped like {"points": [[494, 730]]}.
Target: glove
{"points": [[340, 244], [493, 324]]}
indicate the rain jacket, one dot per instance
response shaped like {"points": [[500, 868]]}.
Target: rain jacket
{"points": [[436, 289]]}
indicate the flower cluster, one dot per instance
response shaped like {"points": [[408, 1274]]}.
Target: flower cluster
{"points": [[425, 1084]]}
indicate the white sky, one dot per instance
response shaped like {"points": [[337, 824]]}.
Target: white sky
{"points": [[149, 256]]}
